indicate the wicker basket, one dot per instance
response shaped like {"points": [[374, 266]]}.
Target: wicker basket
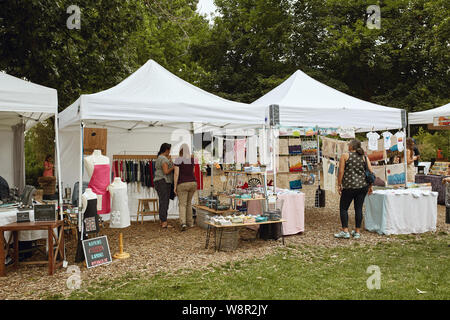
{"points": [[48, 184], [230, 239]]}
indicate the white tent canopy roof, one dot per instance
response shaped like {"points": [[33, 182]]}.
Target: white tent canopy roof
{"points": [[304, 101], [425, 117], [24, 100], [152, 95]]}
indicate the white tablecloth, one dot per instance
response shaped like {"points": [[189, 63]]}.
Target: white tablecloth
{"points": [[7, 217], [401, 211]]}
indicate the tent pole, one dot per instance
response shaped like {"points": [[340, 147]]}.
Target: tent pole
{"points": [[58, 170], [272, 133], [80, 182], [405, 162]]}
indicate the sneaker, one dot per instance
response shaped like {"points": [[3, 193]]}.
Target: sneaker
{"points": [[183, 227], [356, 235], [342, 234]]}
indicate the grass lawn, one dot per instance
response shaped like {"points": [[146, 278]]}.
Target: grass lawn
{"points": [[294, 272]]}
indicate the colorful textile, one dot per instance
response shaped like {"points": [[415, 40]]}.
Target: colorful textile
{"points": [[395, 174]]}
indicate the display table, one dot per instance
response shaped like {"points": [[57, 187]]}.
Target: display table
{"points": [[436, 184], [238, 225], [204, 211], [401, 211], [10, 216], [15, 228], [293, 211]]}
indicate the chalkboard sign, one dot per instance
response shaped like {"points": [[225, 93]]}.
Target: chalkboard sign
{"points": [[44, 212], [23, 216], [96, 252]]}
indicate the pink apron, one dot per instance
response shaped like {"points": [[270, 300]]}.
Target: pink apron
{"points": [[99, 184]]}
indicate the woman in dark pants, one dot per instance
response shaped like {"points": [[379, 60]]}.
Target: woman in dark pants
{"points": [[163, 181], [352, 187]]}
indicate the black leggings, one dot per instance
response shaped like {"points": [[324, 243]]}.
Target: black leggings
{"points": [[163, 190], [347, 196]]}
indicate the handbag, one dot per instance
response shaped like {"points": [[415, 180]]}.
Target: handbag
{"points": [[370, 177]]}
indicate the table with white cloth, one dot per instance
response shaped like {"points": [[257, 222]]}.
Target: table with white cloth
{"points": [[293, 210], [8, 216], [401, 211]]}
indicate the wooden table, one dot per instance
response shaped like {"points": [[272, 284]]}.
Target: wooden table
{"points": [[234, 225], [52, 254], [217, 212]]}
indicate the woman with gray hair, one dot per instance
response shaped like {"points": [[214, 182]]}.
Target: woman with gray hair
{"points": [[185, 185], [353, 186]]}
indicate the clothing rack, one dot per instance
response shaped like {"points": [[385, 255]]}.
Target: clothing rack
{"points": [[134, 157]]}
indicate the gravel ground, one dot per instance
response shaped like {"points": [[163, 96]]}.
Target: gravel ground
{"points": [[155, 250]]}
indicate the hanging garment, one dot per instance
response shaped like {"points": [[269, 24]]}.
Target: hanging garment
{"points": [[90, 217], [346, 133], [387, 139], [380, 174], [120, 215], [220, 149], [252, 153], [329, 147], [329, 175], [400, 140], [198, 177], [342, 147], [152, 166], [99, 183], [373, 140], [239, 150], [229, 151]]}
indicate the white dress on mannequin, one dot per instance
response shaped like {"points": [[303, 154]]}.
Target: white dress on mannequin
{"points": [[120, 215]]}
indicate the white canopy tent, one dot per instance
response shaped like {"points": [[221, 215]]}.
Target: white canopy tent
{"points": [[304, 101], [426, 117], [22, 105], [149, 107]]}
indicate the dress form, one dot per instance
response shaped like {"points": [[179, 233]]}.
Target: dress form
{"points": [[98, 169], [87, 195], [95, 158], [120, 216]]}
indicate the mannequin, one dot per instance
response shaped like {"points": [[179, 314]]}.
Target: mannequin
{"points": [[98, 169], [120, 216], [89, 212]]}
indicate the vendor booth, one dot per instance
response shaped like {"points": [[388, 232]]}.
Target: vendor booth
{"points": [[150, 107], [436, 119], [22, 105], [309, 109]]}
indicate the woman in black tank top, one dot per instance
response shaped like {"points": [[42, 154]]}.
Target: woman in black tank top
{"points": [[352, 187]]}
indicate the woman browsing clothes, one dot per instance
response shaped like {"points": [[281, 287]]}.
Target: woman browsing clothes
{"points": [[185, 185], [163, 181], [353, 186]]}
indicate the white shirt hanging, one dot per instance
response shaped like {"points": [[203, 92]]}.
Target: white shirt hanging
{"points": [[373, 140], [400, 140], [387, 139]]}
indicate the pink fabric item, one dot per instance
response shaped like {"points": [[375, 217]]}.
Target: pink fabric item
{"points": [[99, 184], [239, 150], [293, 212]]}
